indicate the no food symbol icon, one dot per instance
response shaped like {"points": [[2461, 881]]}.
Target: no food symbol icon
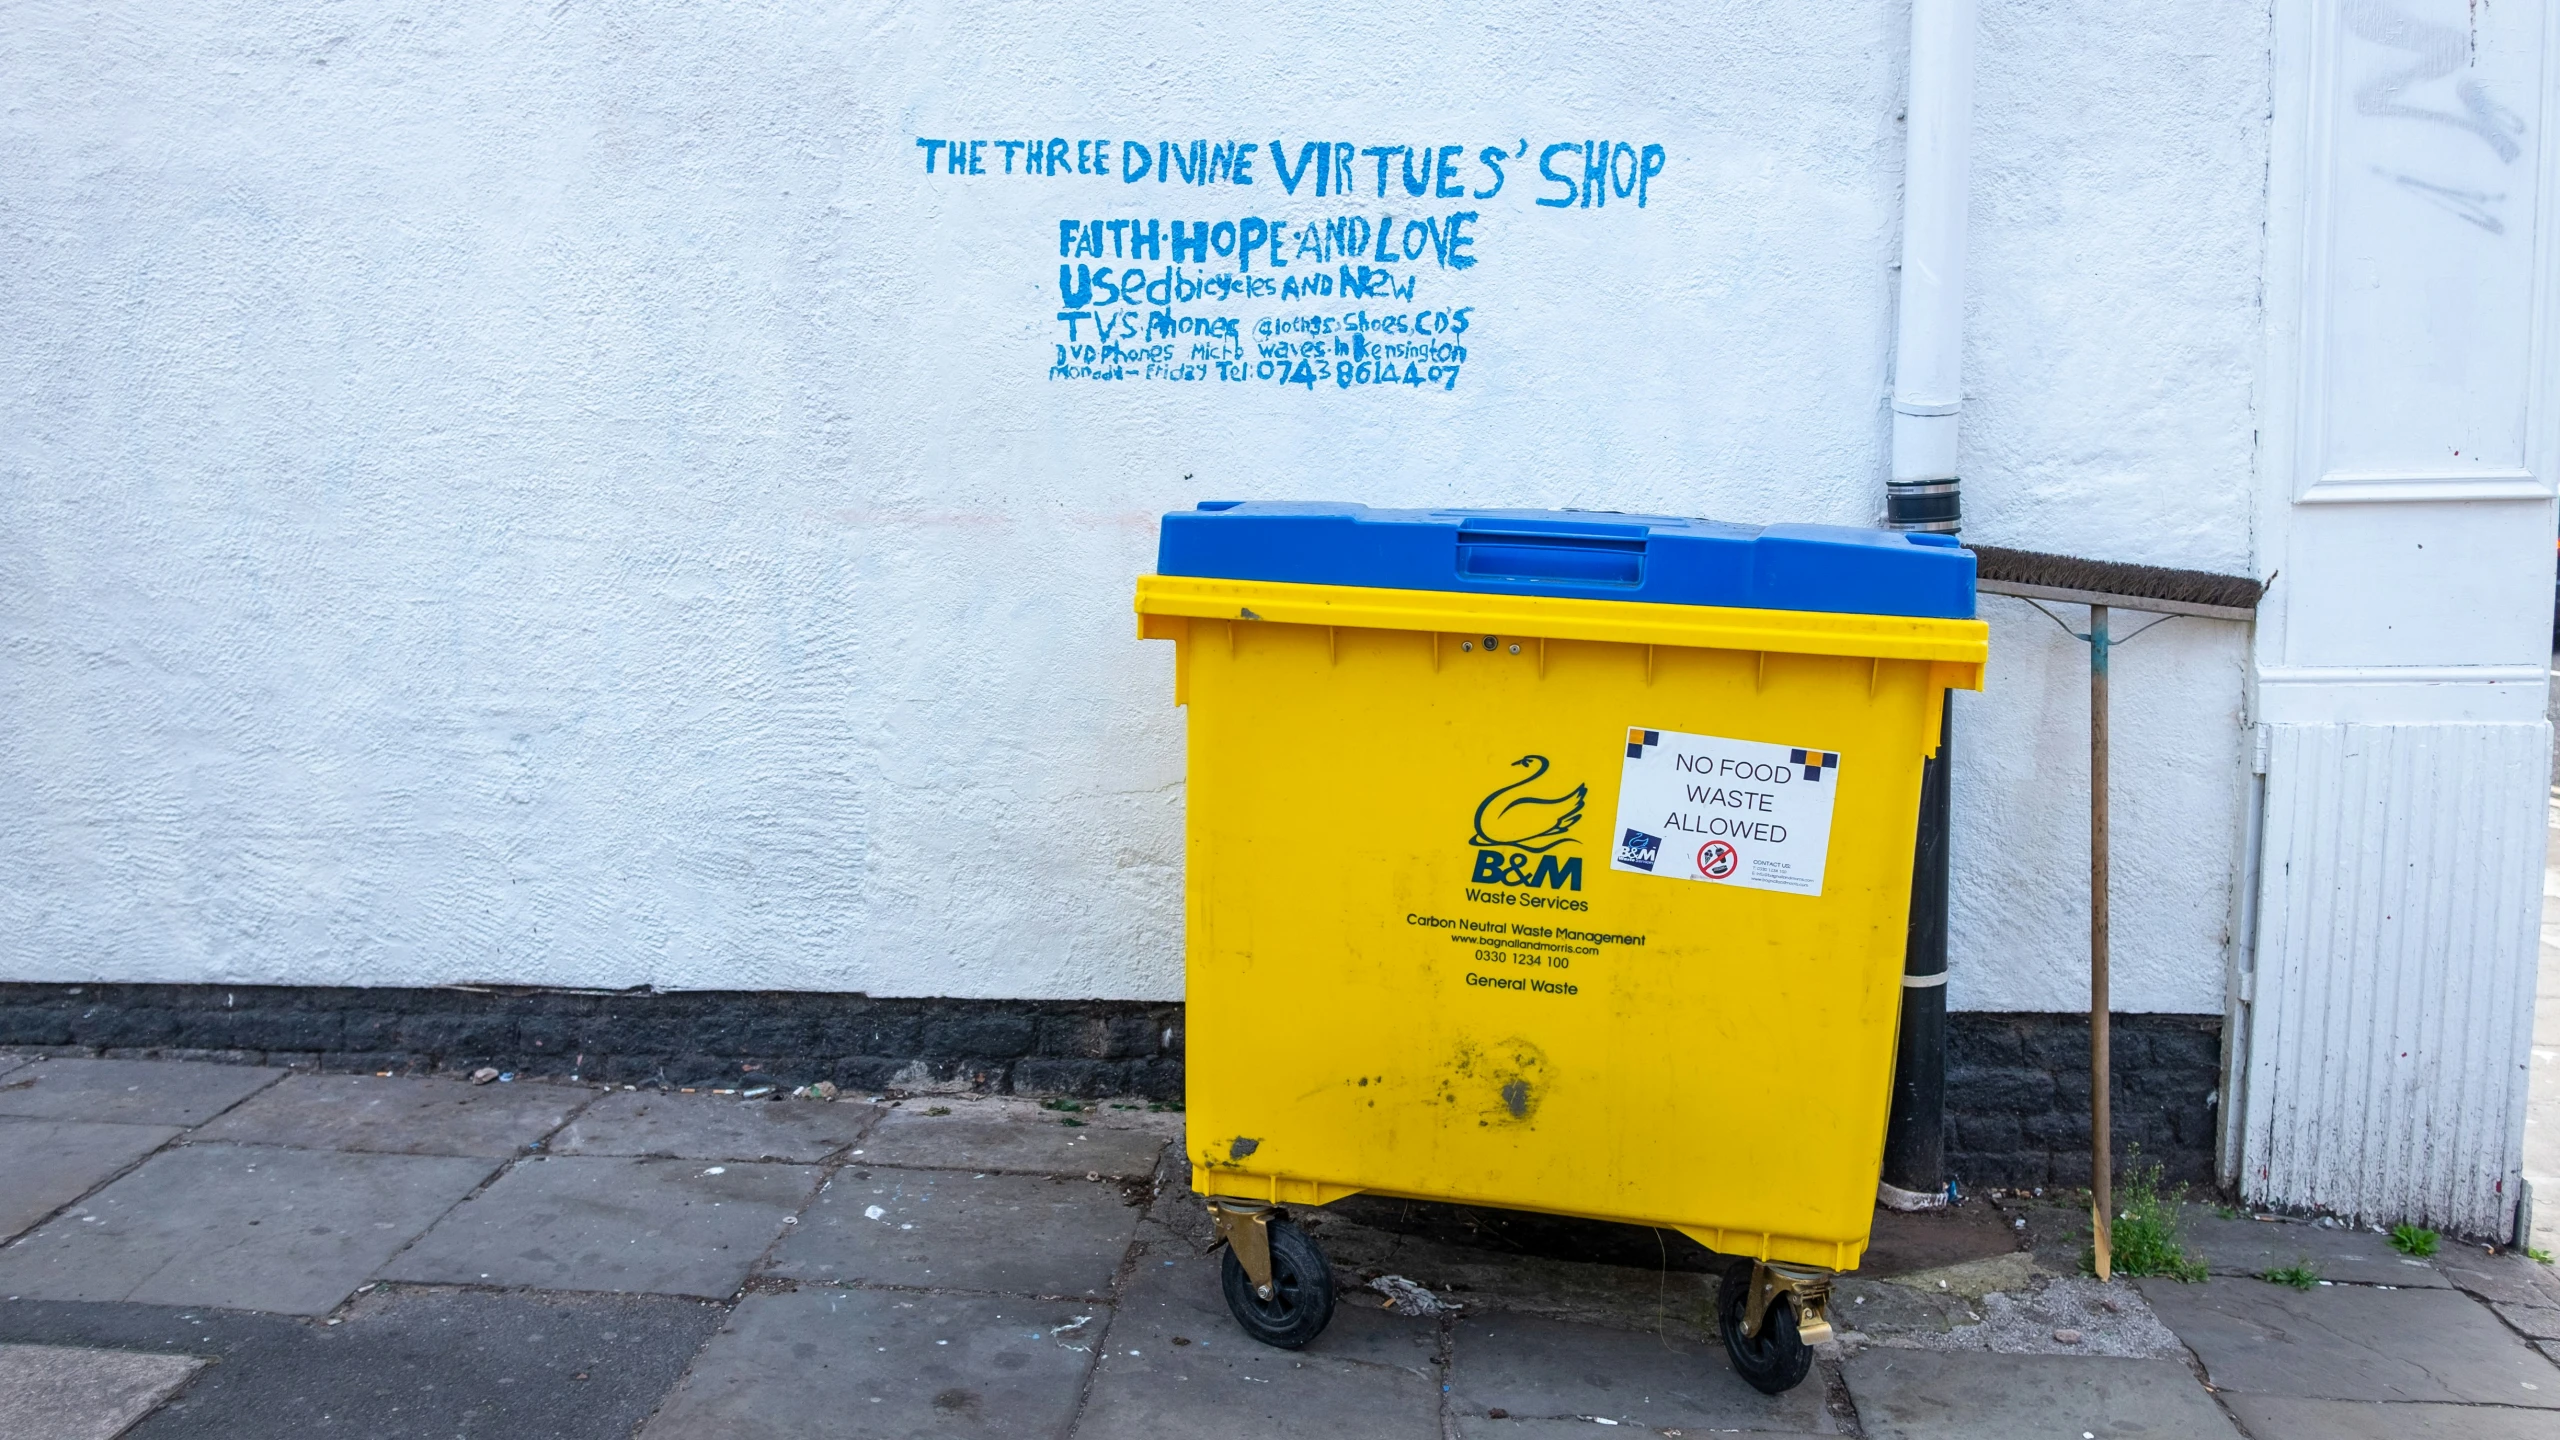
{"points": [[1717, 860]]}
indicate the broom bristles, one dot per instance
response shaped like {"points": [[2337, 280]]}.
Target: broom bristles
{"points": [[2114, 577]]}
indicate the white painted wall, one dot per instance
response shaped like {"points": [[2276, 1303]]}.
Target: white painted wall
{"points": [[555, 493]]}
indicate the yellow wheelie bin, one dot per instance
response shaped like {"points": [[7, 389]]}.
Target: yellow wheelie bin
{"points": [[1589, 837]]}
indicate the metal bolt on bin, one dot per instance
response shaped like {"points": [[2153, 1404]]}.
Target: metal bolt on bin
{"points": [[1594, 834]]}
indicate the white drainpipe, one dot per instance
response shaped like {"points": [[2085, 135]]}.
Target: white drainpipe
{"points": [[1928, 368]]}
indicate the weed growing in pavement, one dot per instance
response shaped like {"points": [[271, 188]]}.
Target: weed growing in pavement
{"points": [[1067, 1105], [2537, 1255], [2228, 1212], [2415, 1240], [2145, 1229], [2299, 1275]]}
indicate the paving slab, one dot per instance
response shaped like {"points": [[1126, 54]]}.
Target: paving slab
{"points": [[239, 1226], [1972, 1279], [2541, 1322], [47, 1164], [404, 1364], [660, 1227], [828, 1361], [2353, 1342], [1873, 1309], [1009, 1143], [1529, 1366], [954, 1230], [399, 1115], [2249, 1247], [714, 1127], [52, 1392], [129, 1092], [1972, 1395], [12, 1062], [2506, 1277], [2271, 1417], [1174, 1363]]}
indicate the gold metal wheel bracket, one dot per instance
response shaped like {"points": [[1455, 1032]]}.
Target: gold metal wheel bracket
{"points": [[1809, 1287], [1243, 1227]]}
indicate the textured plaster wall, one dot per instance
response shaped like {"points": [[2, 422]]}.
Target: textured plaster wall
{"points": [[553, 493]]}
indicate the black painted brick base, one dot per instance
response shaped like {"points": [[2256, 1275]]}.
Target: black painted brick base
{"points": [[2017, 1084], [1050, 1047], [2018, 1096]]}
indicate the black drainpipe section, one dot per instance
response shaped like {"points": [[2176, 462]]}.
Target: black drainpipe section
{"points": [[1915, 1133]]}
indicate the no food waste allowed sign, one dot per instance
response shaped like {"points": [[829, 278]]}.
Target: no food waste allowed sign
{"points": [[1729, 812]]}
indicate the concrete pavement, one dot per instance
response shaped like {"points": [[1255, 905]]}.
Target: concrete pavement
{"points": [[203, 1249]]}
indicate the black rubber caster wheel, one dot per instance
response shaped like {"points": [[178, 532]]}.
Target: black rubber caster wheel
{"points": [[1776, 1360], [1301, 1302]]}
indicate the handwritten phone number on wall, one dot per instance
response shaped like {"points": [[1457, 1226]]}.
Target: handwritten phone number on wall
{"points": [[1159, 363], [1343, 376]]}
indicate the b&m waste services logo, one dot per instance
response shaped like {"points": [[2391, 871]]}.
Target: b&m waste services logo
{"points": [[1518, 824], [1640, 850]]}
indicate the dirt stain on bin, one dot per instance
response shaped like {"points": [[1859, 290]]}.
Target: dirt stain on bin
{"points": [[1242, 1146], [1513, 1071]]}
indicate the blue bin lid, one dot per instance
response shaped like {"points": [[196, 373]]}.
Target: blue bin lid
{"points": [[1585, 554]]}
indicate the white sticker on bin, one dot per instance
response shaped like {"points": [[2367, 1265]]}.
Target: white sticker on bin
{"points": [[1729, 812]]}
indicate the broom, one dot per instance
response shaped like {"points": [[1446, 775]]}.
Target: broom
{"points": [[2105, 585]]}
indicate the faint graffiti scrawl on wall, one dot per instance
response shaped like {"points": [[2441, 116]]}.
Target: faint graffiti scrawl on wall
{"points": [[2392, 92], [1335, 266]]}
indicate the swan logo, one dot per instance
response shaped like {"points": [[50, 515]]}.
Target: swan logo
{"points": [[1520, 822]]}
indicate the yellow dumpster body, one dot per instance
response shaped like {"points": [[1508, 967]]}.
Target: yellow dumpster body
{"points": [[1512, 899]]}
